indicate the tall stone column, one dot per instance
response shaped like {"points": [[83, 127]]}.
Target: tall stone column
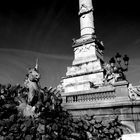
{"points": [[86, 71], [86, 18]]}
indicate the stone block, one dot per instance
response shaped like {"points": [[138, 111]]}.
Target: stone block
{"points": [[103, 90], [121, 89], [134, 136], [136, 109], [77, 87], [126, 117], [126, 110], [84, 68], [81, 60], [96, 78]]}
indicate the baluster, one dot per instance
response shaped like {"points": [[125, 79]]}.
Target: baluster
{"points": [[104, 95], [78, 98], [73, 98], [70, 99], [93, 97], [83, 97], [88, 97], [101, 97], [67, 100]]}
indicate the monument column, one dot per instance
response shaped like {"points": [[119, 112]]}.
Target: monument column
{"points": [[86, 18], [86, 71]]}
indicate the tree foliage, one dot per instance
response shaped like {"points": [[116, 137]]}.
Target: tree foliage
{"points": [[49, 121]]}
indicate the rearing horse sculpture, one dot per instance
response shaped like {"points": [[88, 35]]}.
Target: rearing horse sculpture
{"points": [[31, 82]]}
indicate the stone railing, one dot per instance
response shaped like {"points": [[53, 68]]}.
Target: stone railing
{"points": [[91, 97]]}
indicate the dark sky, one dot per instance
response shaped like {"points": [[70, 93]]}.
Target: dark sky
{"points": [[45, 29]]}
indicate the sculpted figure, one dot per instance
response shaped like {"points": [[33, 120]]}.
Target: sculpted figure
{"points": [[110, 75], [34, 99], [31, 82], [33, 92]]}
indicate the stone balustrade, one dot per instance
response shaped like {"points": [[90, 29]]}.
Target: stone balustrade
{"points": [[91, 97]]}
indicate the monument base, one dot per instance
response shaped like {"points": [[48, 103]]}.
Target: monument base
{"points": [[106, 102]]}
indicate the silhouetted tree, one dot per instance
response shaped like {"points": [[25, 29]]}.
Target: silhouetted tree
{"points": [[46, 119]]}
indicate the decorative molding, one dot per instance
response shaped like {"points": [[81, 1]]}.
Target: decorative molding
{"points": [[134, 92], [83, 40], [91, 97], [85, 51]]}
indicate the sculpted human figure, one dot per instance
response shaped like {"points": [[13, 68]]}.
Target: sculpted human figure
{"points": [[110, 75]]}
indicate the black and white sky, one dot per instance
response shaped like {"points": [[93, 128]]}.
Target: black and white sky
{"points": [[45, 29]]}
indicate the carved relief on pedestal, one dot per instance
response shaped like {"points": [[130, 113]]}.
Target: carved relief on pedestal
{"points": [[84, 54], [134, 92], [85, 51]]}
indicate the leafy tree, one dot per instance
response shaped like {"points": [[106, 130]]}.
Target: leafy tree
{"points": [[46, 119]]}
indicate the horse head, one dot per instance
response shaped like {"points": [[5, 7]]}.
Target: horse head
{"points": [[33, 75]]}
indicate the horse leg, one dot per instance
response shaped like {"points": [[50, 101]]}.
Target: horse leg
{"points": [[30, 97]]}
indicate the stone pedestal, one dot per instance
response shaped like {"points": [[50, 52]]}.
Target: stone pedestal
{"points": [[86, 69], [106, 102]]}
